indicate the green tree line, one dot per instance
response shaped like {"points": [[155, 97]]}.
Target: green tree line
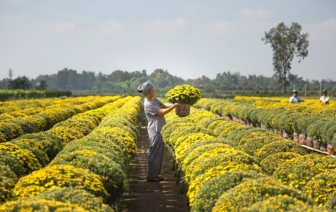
{"points": [[124, 82]]}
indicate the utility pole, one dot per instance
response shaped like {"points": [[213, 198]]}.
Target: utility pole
{"points": [[320, 87], [305, 90]]}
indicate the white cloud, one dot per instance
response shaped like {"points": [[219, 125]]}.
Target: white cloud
{"points": [[109, 28], [13, 18], [168, 26], [223, 28], [257, 13], [61, 27], [324, 31]]}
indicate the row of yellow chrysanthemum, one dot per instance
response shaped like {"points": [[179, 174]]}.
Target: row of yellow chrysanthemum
{"points": [[214, 165], [31, 116], [31, 152], [17, 108], [95, 163], [308, 126]]}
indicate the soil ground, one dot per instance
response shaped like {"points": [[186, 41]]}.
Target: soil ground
{"points": [[144, 196]]}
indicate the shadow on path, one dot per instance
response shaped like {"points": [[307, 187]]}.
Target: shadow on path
{"points": [[152, 196]]}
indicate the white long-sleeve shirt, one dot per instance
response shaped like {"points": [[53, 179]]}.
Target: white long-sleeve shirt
{"points": [[324, 99], [295, 99]]}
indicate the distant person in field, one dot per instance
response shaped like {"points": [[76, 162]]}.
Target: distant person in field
{"points": [[155, 111], [295, 98], [325, 98]]}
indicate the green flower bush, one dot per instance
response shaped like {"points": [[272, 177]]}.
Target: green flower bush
{"points": [[184, 94], [199, 148], [321, 186], [254, 134], [206, 122], [234, 137], [328, 136], [282, 203], [78, 197], [58, 177], [299, 171], [224, 129], [40, 155], [44, 141], [331, 202], [26, 158], [6, 187], [302, 123], [278, 147], [10, 130], [286, 123], [40, 205], [170, 127], [110, 172], [247, 193], [314, 130], [272, 162], [206, 197], [121, 136], [13, 163], [325, 128], [252, 146], [183, 143]]}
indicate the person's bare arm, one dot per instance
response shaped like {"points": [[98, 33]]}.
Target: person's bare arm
{"points": [[165, 105], [164, 111]]}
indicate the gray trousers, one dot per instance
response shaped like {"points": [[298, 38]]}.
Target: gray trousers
{"points": [[156, 150]]}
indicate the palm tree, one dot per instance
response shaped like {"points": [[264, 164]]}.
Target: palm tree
{"points": [[20, 83]]}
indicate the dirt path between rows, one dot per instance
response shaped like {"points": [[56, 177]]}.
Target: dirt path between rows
{"points": [[144, 196]]}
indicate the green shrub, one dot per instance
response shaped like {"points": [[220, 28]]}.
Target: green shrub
{"points": [[58, 177], [40, 205], [314, 130], [9, 160], [197, 149], [279, 146], [170, 127], [299, 171], [6, 187], [27, 159], [331, 202], [211, 190], [111, 173], [44, 141], [249, 192], [121, 136], [282, 203], [234, 137], [321, 186], [272, 162], [10, 130], [252, 146], [40, 155], [78, 197], [302, 123]]}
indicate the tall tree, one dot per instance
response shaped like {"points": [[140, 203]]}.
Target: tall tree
{"points": [[286, 42], [42, 85]]}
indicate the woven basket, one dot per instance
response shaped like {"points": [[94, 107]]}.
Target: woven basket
{"points": [[183, 110]]}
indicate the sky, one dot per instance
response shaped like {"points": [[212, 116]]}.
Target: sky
{"points": [[187, 38]]}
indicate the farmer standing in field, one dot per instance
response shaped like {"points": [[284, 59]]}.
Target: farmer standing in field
{"points": [[295, 98], [155, 111], [324, 98]]}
